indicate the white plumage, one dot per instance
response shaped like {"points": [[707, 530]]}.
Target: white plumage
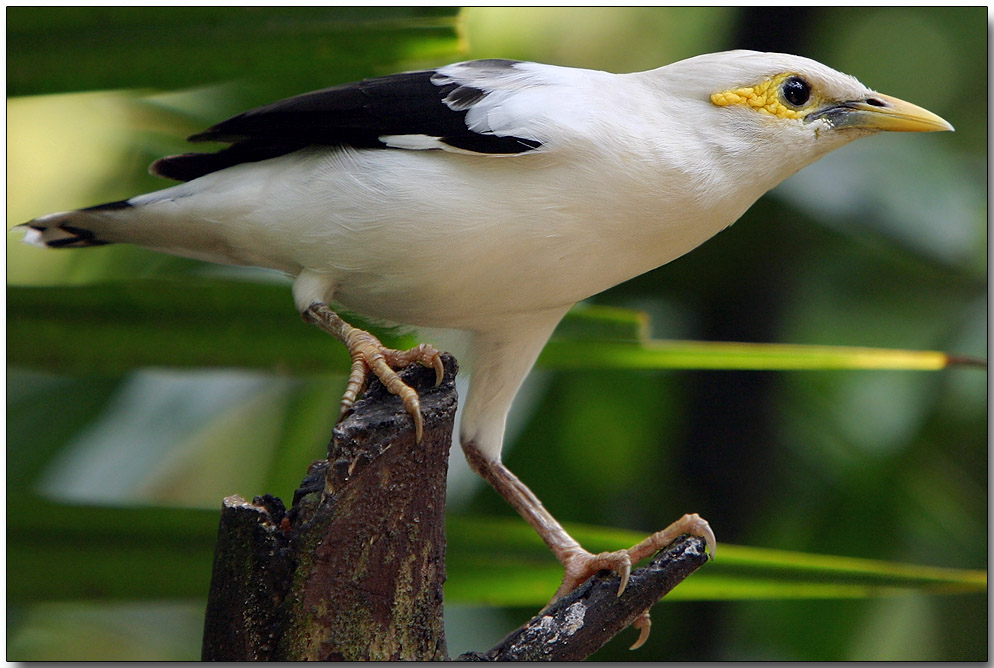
{"points": [[490, 196]]}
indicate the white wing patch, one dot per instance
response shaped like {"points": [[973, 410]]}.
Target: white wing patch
{"points": [[414, 142], [522, 99]]}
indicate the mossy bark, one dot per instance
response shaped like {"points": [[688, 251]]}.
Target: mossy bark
{"points": [[361, 552]]}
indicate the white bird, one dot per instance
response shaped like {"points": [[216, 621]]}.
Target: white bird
{"points": [[490, 196]]}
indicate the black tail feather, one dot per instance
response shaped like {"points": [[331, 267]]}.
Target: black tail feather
{"points": [[110, 206], [80, 238], [71, 229]]}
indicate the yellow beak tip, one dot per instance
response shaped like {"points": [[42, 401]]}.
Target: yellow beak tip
{"points": [[896, 115]]}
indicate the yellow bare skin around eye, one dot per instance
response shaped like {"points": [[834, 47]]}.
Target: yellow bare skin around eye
{"points": [[764, 97]]}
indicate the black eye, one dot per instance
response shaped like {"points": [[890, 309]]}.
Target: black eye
{"points": [[796, 91]]}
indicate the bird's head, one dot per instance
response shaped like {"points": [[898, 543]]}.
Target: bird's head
{"points": [[784, 109]]}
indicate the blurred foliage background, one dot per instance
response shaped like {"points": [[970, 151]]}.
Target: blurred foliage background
{"points": [[883, 243]]}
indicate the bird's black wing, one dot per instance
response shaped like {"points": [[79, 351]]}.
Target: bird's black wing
{"points": [[427, 108]]}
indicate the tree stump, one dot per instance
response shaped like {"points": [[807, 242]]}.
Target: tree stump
{"points": [[354, 570]]}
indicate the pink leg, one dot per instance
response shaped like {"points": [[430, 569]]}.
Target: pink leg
{"points": [[578, 563]]}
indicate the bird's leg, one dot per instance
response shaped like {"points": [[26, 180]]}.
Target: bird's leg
{"points": [[369, 355], [580, 564]]}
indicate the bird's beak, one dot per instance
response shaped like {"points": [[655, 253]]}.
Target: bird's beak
{"points": [[883, 112]]}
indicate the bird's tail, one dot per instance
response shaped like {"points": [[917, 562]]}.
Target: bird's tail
{"points": [[75, 229]]}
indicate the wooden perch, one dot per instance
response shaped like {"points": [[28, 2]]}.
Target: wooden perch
{"points": [[581, 622], [354, 569]]}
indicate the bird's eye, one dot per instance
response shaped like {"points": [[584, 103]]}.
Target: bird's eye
{"points": [[796, 91]]}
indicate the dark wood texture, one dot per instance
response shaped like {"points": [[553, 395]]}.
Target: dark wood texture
{"points": [[355, 569], [579, 624]]}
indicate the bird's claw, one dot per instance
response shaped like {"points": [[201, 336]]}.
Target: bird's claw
{"points": [[580, 565], [644, 624], [370, 355], [691, 524]]}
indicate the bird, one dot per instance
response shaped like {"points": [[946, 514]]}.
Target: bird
{"points": [[489, 197]]}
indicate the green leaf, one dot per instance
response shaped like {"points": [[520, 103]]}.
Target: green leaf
{"points": [[120, 326], [596, 322], [64, 552], [83, 48], [116, 327], [655, 354], [503, 562]]}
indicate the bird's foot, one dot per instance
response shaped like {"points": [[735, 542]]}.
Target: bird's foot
{"points": [[581, 565], [369, 355]]}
